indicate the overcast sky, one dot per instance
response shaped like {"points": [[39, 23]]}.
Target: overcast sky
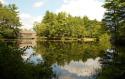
{"points": [[34, 10]]}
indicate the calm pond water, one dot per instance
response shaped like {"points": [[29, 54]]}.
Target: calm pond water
{"points": [[68, 60]]}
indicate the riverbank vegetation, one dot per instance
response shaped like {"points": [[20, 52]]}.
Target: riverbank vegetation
{"points": [[63, 26], [12, 65], [114, 20], [9, 21]]}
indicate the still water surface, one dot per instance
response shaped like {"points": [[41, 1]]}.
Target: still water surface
{"points": [[68, 60]]}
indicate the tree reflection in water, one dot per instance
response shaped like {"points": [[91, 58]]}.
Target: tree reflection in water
{"points": [[72, 60], [12, 65]]}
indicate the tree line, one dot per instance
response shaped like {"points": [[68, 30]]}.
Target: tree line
{"points": [[64, 25], [59, 25]]}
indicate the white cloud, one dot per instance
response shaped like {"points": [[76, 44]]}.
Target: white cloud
{"points": [[2, 1], [27, 20], [91, 8], [38, 4], [25, 15]]}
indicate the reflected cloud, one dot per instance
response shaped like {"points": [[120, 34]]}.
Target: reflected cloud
{"points": [[32, 57], [78, 69]]}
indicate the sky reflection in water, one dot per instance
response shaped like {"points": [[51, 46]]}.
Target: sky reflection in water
{"points": [[32, 57], [73, 70], [78, 69], [65, 62]]}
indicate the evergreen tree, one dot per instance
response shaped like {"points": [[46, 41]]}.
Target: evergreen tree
{"points": [[114, 17]]}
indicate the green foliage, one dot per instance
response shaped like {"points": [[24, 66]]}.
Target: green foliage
{"points": [[115, 70], [10, 62], [104, 40], [62, 25], [114, 17], [114, 23], [13, 67], [65, 52], [9, 21]]}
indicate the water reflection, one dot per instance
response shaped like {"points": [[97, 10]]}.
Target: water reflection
{"points": [[64, 52], [27, 42], [114, 69], [69, 60], [31, 57], [78, 69]]}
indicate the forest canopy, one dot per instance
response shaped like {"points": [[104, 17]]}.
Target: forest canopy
{"points": [[64, 25]]}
